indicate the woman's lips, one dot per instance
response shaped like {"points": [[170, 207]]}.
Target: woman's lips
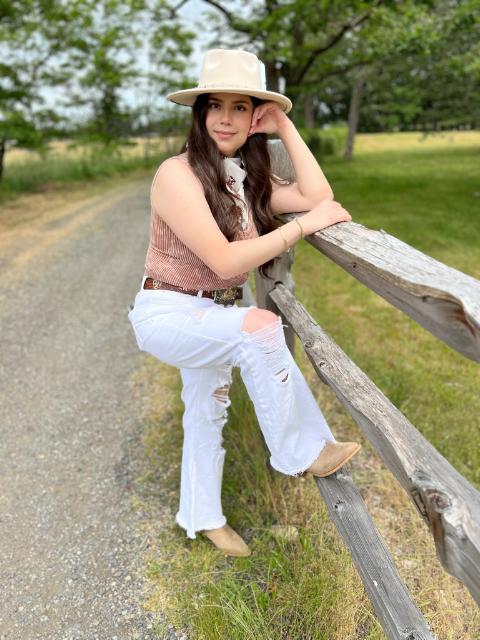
{"points": [[223, 135]]}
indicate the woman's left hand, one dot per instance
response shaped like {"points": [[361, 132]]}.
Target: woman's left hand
{"points": [[267, 118]]}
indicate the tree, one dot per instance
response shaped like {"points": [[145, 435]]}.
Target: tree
{"points": [[427, 75], [167, 52], [32, 34], [137, 46], [102, 61]]}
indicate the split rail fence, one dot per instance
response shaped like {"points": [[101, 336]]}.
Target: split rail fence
{"points": [[444, 301]]}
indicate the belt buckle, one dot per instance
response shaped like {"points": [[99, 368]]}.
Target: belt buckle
{"points": [[226, 297]]}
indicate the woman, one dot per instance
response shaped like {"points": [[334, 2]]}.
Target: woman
{"points": [[211, 223]]}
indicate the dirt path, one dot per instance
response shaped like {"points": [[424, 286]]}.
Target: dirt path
{"points": [[70, 542]]}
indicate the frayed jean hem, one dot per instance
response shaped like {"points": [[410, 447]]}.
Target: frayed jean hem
{"points": [[213, 524]]}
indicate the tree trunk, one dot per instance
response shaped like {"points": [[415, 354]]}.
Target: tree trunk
{"points": [[271, 74], [308, 114], [2, 155], [354, 112]]}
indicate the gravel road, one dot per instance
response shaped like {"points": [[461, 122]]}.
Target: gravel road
{"points": [[71, 544]]}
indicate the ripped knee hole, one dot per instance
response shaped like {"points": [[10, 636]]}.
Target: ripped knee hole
{"points": [[221, 394], [271, 342]]}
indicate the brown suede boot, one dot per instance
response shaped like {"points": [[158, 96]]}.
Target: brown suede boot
{"points": [[227, 540], [333, 456]]}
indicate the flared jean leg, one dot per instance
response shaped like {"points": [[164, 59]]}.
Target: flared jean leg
{"points": [[294, 427], [206, 400]]}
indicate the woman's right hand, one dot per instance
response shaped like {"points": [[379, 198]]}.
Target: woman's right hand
{"points": [[324, 214]]}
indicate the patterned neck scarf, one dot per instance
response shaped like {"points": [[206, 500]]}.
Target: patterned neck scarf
{"points": [[235, 177]]}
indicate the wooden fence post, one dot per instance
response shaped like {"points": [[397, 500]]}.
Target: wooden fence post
{"points": [[279, 273], [281, 270]]}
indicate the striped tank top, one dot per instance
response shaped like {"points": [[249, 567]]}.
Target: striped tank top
{"points": [[170, 260]]}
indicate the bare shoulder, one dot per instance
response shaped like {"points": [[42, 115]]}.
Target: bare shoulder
{"points": [[176, 188], [177, 168], [173, 184]]}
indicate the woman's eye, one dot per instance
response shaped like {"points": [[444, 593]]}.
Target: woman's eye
{"points": [[215, 105]]}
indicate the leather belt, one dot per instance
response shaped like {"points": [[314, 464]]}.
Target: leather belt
{"points": [[221, 296]]}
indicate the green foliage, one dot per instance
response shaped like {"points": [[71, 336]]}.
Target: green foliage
{"points": [[339, 132], [320, 143], [425, 74], [32, 34], [15, 126], [325, 142]]}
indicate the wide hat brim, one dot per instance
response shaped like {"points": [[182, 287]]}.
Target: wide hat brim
{"points": [[187, 97]]}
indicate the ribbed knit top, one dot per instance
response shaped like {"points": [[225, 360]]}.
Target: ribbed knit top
{"points": [[170, 260]]}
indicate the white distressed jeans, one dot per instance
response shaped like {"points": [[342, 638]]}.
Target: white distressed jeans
{"points": [[205, 340]]}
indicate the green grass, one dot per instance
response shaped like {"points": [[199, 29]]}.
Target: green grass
{"points": [[307, 588], [428, 198]]}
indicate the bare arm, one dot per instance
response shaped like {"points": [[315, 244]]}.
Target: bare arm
{"points": [[178, 198], [311, 186], [311, 183]]}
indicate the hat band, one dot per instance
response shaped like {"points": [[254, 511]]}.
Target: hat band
{"points": [[230, 84]]}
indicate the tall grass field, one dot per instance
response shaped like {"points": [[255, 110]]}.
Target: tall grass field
{"points": [[299, 583], [66, 163]]}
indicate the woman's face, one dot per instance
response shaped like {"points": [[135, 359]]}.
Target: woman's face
{"points": [[228, 120]]}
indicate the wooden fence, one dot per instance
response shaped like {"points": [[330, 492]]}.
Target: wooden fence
{"points": [[444, 301]]}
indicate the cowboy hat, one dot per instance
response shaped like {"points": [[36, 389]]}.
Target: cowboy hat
{"points": [[231, 71]]}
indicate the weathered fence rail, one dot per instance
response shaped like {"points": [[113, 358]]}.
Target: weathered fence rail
{"points": [[443, 300], [447, 303]]}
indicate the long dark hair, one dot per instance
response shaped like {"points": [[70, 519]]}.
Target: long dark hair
{"points": [[207, 163]]}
